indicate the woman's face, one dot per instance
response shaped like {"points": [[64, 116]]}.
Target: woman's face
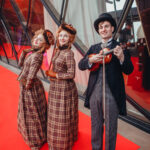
{"points": [[38, 41], [63, 38]]}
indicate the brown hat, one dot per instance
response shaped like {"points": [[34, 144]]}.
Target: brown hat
{"points": [[49, 37], [129, 23], [69, 28]]}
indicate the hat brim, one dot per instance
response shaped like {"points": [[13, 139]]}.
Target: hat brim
{"points": [[111, 20]]}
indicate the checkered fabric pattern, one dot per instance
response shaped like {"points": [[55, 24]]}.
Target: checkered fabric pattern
{"points": [[32, 108], [62, 128]]}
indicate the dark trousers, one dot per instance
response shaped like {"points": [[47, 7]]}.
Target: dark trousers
{"points": [[97, 119]]}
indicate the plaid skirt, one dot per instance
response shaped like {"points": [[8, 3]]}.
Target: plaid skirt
{"points": [[32, 112], [62, 127]]}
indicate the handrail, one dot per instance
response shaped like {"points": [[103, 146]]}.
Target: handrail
{"points": [[9, 36], [62, 9], [29, 11], [138, 107], [1, 43], [20, 18], [2, 3]]}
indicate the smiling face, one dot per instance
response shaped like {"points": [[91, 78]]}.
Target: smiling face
{"points": [[105, 30], [63, 38], [38, 41]]}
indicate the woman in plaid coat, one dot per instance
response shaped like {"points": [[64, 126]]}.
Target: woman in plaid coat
{"points": [[32, 109], [62, 127]]}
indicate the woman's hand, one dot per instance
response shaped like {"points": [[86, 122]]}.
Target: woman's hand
{"points": [[28, 50], [51, 73]]}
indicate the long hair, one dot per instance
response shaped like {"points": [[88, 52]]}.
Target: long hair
{"points": [[69, 29], [48, 36]]}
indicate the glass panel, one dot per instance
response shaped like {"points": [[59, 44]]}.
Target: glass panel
{"points": [[86, 33], [133, 38], [32, 11], [33, 17], [36, 17], [6, 48], [81, 78], [3, 41], [115, 7], [16, 31]]}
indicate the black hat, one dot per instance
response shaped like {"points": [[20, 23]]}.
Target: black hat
{"points": [[129, 23], [105, 17]]}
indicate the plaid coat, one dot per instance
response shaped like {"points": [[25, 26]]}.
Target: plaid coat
{"points": [[62, 128], [32, 107]]}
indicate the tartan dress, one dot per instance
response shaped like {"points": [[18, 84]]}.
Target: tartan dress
{"points": [[32, 107], [62, 127]]}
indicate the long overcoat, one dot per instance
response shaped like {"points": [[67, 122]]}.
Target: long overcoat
{"points": [[114, 75], [32, 108], [62, 127]]}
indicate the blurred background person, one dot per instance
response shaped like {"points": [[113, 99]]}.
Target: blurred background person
{"points": [[125, 35]]}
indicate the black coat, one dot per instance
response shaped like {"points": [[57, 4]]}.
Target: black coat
{"points": [[114, 75]]}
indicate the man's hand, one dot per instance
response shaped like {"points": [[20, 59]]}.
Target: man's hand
{"points": [[118, 51], [95, 58]]}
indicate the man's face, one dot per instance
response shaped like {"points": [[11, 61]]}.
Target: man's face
{"points": [[128, 27], [105, 30]]}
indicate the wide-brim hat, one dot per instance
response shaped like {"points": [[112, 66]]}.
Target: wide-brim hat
{"points": [[105, 17]]}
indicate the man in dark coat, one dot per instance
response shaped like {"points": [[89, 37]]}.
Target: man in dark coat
{"points": [[125, 34], [115, 97]]}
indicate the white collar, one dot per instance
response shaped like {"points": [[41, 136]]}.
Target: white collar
{"points": [[107, 41]]}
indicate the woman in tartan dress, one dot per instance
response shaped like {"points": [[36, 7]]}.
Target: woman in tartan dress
{"points": [[32, 109], [62, 127]]}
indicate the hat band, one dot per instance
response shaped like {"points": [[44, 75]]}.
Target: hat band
{"points": [[69, 30]]}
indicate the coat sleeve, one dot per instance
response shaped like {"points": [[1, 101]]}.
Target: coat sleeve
{"points": [[35, 65], [84, 62], [70, 63], [21, 59], [127, 66]]}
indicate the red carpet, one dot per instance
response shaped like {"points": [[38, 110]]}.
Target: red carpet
{"points": [[10, 139]]}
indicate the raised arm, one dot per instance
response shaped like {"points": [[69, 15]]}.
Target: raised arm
{"points": [[34, 68], [21, 59]]}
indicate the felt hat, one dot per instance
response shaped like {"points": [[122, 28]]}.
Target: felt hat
{"points": [[69, 28], [105, 17]]}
